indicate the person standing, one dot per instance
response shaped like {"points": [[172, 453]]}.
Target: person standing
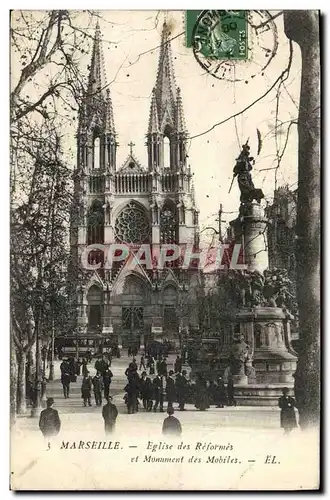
{"points": [[66, 379], [72, 369], [89, 355], [78, 366], [142, 389], [212, 390], [86, 389], [182, 389], [148, 393], [98, 387], [201, 402], [231, 391], [178, 364], [171, 425], [152, 366], [142, 362], [162, 367], [134, 364], [64, 366], [109, 414], [131, 397], [107, 378], [158, 393], [49, 421], [288, 417], [220, 399], [170, 389], [84, 367]]}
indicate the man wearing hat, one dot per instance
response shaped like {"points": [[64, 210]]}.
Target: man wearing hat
{"points": [[170, 389], [86, 389], [49, 422], [288, 416], [171, 425], [109, 414]]}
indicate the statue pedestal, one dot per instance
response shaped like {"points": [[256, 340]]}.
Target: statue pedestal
{"points": [[260, 394], [266, 329], [240, 380], [250, 230]]}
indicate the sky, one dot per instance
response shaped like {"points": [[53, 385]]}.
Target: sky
{"points": [[131, 49], [132, 64]]}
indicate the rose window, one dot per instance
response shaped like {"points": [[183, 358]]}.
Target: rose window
{"points": [[132, 225]]}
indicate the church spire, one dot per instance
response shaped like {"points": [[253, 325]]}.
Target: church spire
{"points": [[153, 117], [166, 119], [180, 124], [165, 82], [109, 120], [97, 81], [97, 135]]}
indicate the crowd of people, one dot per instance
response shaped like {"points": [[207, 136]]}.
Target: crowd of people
{"points": [[172, 386], [99, 384]]}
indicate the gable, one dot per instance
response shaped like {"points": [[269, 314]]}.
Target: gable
{"points": [[131, 166]]}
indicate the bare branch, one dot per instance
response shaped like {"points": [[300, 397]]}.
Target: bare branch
{"points": [[286, 71]]}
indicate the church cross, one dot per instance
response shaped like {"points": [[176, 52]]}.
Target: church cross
{"points": [[131, 144]]}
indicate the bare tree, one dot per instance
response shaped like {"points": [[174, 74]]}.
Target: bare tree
{"points": [[302, 27], [47, 49]]}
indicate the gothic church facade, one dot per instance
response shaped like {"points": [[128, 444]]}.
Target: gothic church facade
{"points": [[136, 203]]}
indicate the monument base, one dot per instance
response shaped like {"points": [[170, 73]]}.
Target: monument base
{"points": [[259, 394], [240, 380], [267, 330]]}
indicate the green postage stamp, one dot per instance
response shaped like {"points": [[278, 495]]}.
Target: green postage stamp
{"points": [[218, 34]]}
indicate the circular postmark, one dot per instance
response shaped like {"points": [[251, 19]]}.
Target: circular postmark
{"points": [[235, 45]]}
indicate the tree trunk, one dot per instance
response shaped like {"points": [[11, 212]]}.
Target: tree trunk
{"points": [[13, 384], [302, 27], [21, 385]]}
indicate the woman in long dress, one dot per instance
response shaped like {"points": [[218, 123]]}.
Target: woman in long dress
{"points": [[202, 400]]}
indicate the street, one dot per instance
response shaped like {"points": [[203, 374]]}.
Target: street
{"points": [[75, 416]]}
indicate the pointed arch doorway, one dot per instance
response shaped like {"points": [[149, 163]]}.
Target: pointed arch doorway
{"points": [[170, 310], [95, 308]]}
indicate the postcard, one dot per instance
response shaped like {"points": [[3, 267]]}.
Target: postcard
{"points": [[165, 250]]}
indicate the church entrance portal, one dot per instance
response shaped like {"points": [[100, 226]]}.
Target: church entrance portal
{"points": [[95, 309]]}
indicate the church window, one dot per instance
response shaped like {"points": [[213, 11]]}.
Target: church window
{"points": [[168, 226], [167, 153], [96, 151], [95, 231], [132, 225]]}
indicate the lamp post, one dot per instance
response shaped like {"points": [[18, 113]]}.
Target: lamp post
{"points": [[49, 307], [77, 344]]}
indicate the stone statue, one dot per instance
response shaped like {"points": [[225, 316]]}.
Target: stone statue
{"points": [[257, 285], [107, 213], [270, 289], [273, 288], [242, 170], [238, 356], [241, 288], [250, 371]]}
